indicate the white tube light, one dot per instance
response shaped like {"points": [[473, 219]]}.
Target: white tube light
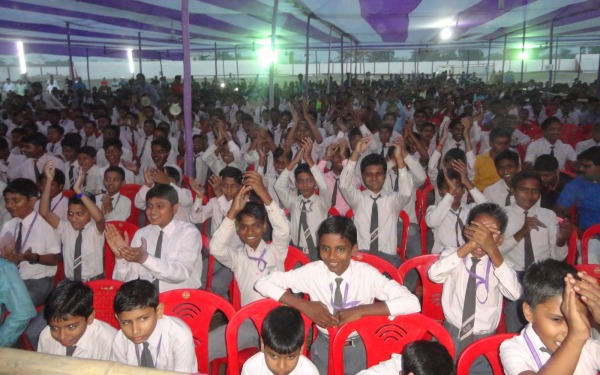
{"points": [[21, 56], [130, 59]]}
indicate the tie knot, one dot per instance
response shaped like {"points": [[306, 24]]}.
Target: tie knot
{"points": [[525, 212], [375, 198], [146, 345], [338, 281], [475, 260]]}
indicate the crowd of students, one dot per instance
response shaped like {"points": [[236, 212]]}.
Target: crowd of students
{"points": [[501, 214]]}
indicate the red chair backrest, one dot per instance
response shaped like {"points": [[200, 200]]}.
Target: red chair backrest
{"points": [[568, 134], [210, 269], [489, 347], [130, 190], [60, 273], [109, 257], [590, 269], [585, 239], [418, 203], [196, 308], [104, 295], [424, 196], [572, 254], [401, 249], [382, 337], [431, 306], [381, 264]]}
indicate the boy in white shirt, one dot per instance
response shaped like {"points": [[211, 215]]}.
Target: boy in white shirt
{"points": [[550, 144], [223, 153], [92, 181], [114, 205], [58, 202], [507, 164]]}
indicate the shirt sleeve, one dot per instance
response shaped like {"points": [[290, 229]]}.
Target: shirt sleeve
{"points": [[513, 359], [437, 213], [324, 196], [283, 190], [350, 193], [140, 198], [443, 267], [281, 226], [14, 295], [509, 285], [184, 195], [199, 213], [218, 247]]}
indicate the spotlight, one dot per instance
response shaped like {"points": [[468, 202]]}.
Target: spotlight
{"points": [[446, 33]]}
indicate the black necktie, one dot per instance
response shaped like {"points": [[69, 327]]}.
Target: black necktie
{"points": [[335, 192], [396, 182], [374, 230], [468, 318], [195, 170], [157, 254], [71, 350], [305, 230], [71, 176], [528, 247], [337, 295], [458, 226], [77, 257], [52, 147], [457, 145], [143, 147], [19, 241], [266, 164], [147, 360], [382, 150], [552, 150], [36, 170], [507, 200]]}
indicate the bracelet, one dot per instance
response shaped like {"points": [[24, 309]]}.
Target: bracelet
{"points": [[80, 195]]}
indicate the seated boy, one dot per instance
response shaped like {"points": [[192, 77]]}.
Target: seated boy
{"points": [[113, 205], [281, 345], [329, 306], [475, 277], [253, 260], [223, 153], [33, 147], [92, 181], [557, 338], [72, 329], [165, 252], [113, 152], [58, 202], [507, 165], [550, 144], [553, 180], [147, 337], [71, 143], [485, 171]]}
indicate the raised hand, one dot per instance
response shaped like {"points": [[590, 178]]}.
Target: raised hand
{"points": [[197, 188]]}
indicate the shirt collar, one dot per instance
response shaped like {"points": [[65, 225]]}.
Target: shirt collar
{"points": [[168, 229], [28, 219], [261, 246], [537, 343], [346, 275], [530, 212]]}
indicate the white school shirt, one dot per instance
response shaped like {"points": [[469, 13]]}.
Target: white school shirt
{"points": [[562, 151], [543, 240], [184, 197], [9, 168], [96, 342], [584, 145], [433, 170], [442, 220], [201, 168], [129, 176], [26, 169], [316, 209], [361, 285], [216, 208], [145, 144], [497, 192], [453, 272], [392, 366], [101, 157], [330, 178], [42, 240], [418, 176], [256, 365], [389, 205], [55, 149], [94, 182], [121, 207], [171, 345], [451, 143], [247, 270], [180, 263], [59, 205], [66, 169], [216, 164], [517, 357], [92, 249]]}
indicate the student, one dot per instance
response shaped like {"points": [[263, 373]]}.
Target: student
{"points": [[556, 339], [592, 142], [37, 247], [307, 210], [88, 134], [144, 144], [281, 159], [550, 144], [92, 181], [553, 180], [281, 345], [33, 147], [253, 260], [114, 205], [111, 133], [447, 218], [59, 204], [472, 310], [72, 329], [165, 252], [336, 154], [375, 210], [419, 357], [200, 168], [324, 281], [485, 169], [9, 162], [15, 298], [71, 143], [113, 153], [456, 139], [82, 236], [147, 337], [55, 134], [506, 166], [174, 174], [224, 152]]}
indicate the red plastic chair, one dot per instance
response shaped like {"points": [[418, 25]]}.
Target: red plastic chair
{"points": [[109, 257], [585, 239], [584, 132], [130, 190], [196, 308], [68, 193], [419, 203], [431, 305], [424, 196], [423, 228], [211, 262], [104, 295], [568, 134], [572, 245], [489, 347], [381, 264], [401, 249], [60, 273], [382, 337], [590, 269]]}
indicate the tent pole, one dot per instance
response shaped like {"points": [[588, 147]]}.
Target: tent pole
{"points": [[555, 60], [550, 71], [160, 62], [329, 62], [523, 51], [140, 49], [87, 64], [342, 60], [187, 88], [468, 60], [598, 80], [71, 72], [355, 58], [272, 67], [487, 74], [216, 68], [503, 60], [307, 55], [237, 67]]}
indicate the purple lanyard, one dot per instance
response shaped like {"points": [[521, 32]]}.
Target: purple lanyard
{"points": [[480, 280], [139, 356], [28, 232], [345, 305], [534, 353], [261, 263], [61, 198]]}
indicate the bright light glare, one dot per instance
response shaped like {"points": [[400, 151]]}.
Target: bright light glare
{"points": [[523, 55], [446, 33], [21, 56], [222, 84], [266, 56], [130, 59]]}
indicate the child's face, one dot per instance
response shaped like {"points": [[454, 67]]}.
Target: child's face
{"points": [[19, 205], [85, 161], [78, 216], [279, 163], [374, 177], [251, 230], [500, 144], [160, 211], [490, 222], [54, 190], [280, 364], [137, 325], [506, 169], [69, 153], [230, 187], [53, 136], [113, 155], [68, 332], [336, 252], [305, 183], [457, 132], [427, 132], [112, 182], [31, 151], [548, 322], [226, 155], [199, 144], [527, 193], [159, 155], [148, 129], [552, 132], [385, 134], [88, 129]]}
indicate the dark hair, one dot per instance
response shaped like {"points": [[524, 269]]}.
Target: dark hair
{"points": [[373, 159], [232, 172], [507, 155], [491, 209], [163, 191], [500, 133], [283, 330], [37, 139], [591, 154], [545, 163], [253, 209], [58, 128], [545, 280], [115, 142], [22, 186], [302, 168], [172, 172], [279, 152], [524, 175], [119, 170], [77, 201], [441, 179], [88, 150], [3, 143], [72, 140], [549, 121], [162, 142], [70, 298], [455, 154], [59, 177], [135, 294], [423, 357], [338, 225]]}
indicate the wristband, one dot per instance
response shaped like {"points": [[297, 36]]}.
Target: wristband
{"points": [[80, 195]]}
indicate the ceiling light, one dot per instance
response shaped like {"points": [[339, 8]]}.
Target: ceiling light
{"points": [[446, 33]]}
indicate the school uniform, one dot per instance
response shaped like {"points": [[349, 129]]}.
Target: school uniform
{"points": [[256, 365], [59, 206], [27, 168], [314, 207], [216, 209], [91, 251], [199, 169], [179, 264], [392, 366], [333, 186], [361, 284], [101, 156], [54, 149], [93, 182], [184, 196], [91, 141], [121, 207], [499, 193], [561, 151], [451, 143], [130, 178], [526, 352], [216, 164], [144, 152], [447, 224], [9, 168], [584, 145], [171, 345], [96, 342], [71, 171], [433, 170]]}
